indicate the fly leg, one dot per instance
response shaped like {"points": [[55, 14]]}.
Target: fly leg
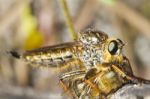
{"points": [[91, 90], [65, 87], [121, 73], [67, 81], [90, 75], [133, 79]]}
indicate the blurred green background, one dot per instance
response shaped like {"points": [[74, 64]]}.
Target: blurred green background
{"points": [[30, 24]]}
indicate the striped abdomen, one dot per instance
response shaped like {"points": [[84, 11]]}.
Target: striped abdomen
{"points": [[53, 55]]}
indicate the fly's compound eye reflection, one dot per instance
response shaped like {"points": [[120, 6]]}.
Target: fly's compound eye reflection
{"points": [[113, 47]]}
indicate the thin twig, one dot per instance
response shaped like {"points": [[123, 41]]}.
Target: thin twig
{"points": [[68, 19]]}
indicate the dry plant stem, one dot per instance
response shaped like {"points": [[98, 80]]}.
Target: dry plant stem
{"points": [[12, 15], [132, 17], [68, 19]]}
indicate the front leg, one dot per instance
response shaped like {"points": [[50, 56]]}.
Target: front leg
{"points": [[91, 80], [133, 79]]}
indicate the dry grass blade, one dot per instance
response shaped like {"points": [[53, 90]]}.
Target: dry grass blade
{"points": [[68, 19]]}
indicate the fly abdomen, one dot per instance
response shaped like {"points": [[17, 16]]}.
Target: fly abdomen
{"points": [[51, 56]]}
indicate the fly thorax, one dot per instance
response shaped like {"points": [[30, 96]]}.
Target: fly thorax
{"points": [[91, 56]]}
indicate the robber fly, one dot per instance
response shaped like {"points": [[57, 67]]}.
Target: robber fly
{"points": [[93, 67]]}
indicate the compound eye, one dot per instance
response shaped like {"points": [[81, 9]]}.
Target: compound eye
{"points": [[113, 47]]}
